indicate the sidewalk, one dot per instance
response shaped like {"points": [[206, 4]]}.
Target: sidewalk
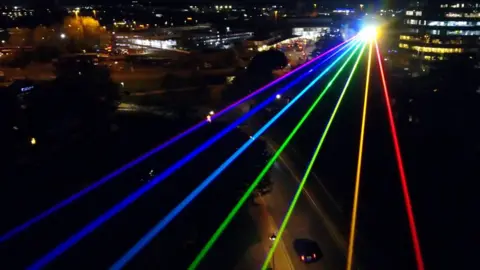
{"points": [[256, 254]]}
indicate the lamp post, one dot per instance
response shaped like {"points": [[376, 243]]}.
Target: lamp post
{"points": [[272, 238]]}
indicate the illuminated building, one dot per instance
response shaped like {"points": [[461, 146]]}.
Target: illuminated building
{"points": [[441, 32], [183, 38]]}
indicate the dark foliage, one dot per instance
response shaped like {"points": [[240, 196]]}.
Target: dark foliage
{"points": [[80, 101], [264, 63]]}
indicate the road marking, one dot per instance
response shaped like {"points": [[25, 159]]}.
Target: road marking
{"points": [[324, 188], [337, 205], [337, 237]]}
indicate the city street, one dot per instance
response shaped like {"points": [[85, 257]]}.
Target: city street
{"points": [[317, 216], [309, 220]]}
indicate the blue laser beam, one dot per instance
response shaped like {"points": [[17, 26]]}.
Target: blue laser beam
{"points": [[20, 228], [142, 190], [174, 212]]}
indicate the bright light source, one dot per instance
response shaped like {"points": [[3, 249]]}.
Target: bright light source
{"points": [[368, 33], [278, 96], [272, 237], [211, 113], [33, 141], [62, 36]]}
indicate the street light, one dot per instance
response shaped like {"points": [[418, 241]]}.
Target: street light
{"points": [[62, 36], [272, 238]]}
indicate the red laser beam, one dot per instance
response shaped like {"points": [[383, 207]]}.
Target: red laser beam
{"points": [[401, 169]]}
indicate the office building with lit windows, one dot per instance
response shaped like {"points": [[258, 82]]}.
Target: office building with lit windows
{"points": [[441, 32]]}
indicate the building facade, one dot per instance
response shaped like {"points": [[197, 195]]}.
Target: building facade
{"points": [[182, 38], [441, 32]]}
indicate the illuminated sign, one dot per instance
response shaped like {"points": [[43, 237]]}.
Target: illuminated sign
{"points": [[26, 89]]}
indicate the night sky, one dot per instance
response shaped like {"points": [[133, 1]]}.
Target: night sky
{"points": [[334, 3], [72, 2]]}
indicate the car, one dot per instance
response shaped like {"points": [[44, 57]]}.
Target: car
{"points": [[307, 250]]}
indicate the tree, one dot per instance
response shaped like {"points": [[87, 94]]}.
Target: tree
{"points": [[264, 63], [82, 32], [82, 97], [41, 35], [259, 72], [19, 37], [326, 43]]}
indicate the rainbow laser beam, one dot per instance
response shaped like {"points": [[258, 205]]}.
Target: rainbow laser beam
{"points": [[401, 168], [173, 213], [20, 228], [351, 241], [142, 190], [270, 163], [310, 165]]}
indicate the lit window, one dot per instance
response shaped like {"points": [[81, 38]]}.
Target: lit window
{"points": [[452, 23], [412, 21], [463, 33], [472, 15], [437, 50], [453, 15], [433, 32]]}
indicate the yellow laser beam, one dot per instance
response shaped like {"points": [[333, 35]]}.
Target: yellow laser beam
{"points": [[359, 165]]}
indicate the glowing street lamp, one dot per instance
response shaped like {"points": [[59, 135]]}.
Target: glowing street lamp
{"points": [[62, 36]]}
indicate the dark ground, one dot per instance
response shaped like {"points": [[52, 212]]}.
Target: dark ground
{"points": [[36, 189]]}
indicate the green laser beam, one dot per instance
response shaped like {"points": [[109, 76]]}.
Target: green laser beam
{"points": [[310, 165], [257, 180]]}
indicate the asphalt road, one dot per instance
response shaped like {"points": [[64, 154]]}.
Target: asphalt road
{"points": [[316, 215], [309, 219]]}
